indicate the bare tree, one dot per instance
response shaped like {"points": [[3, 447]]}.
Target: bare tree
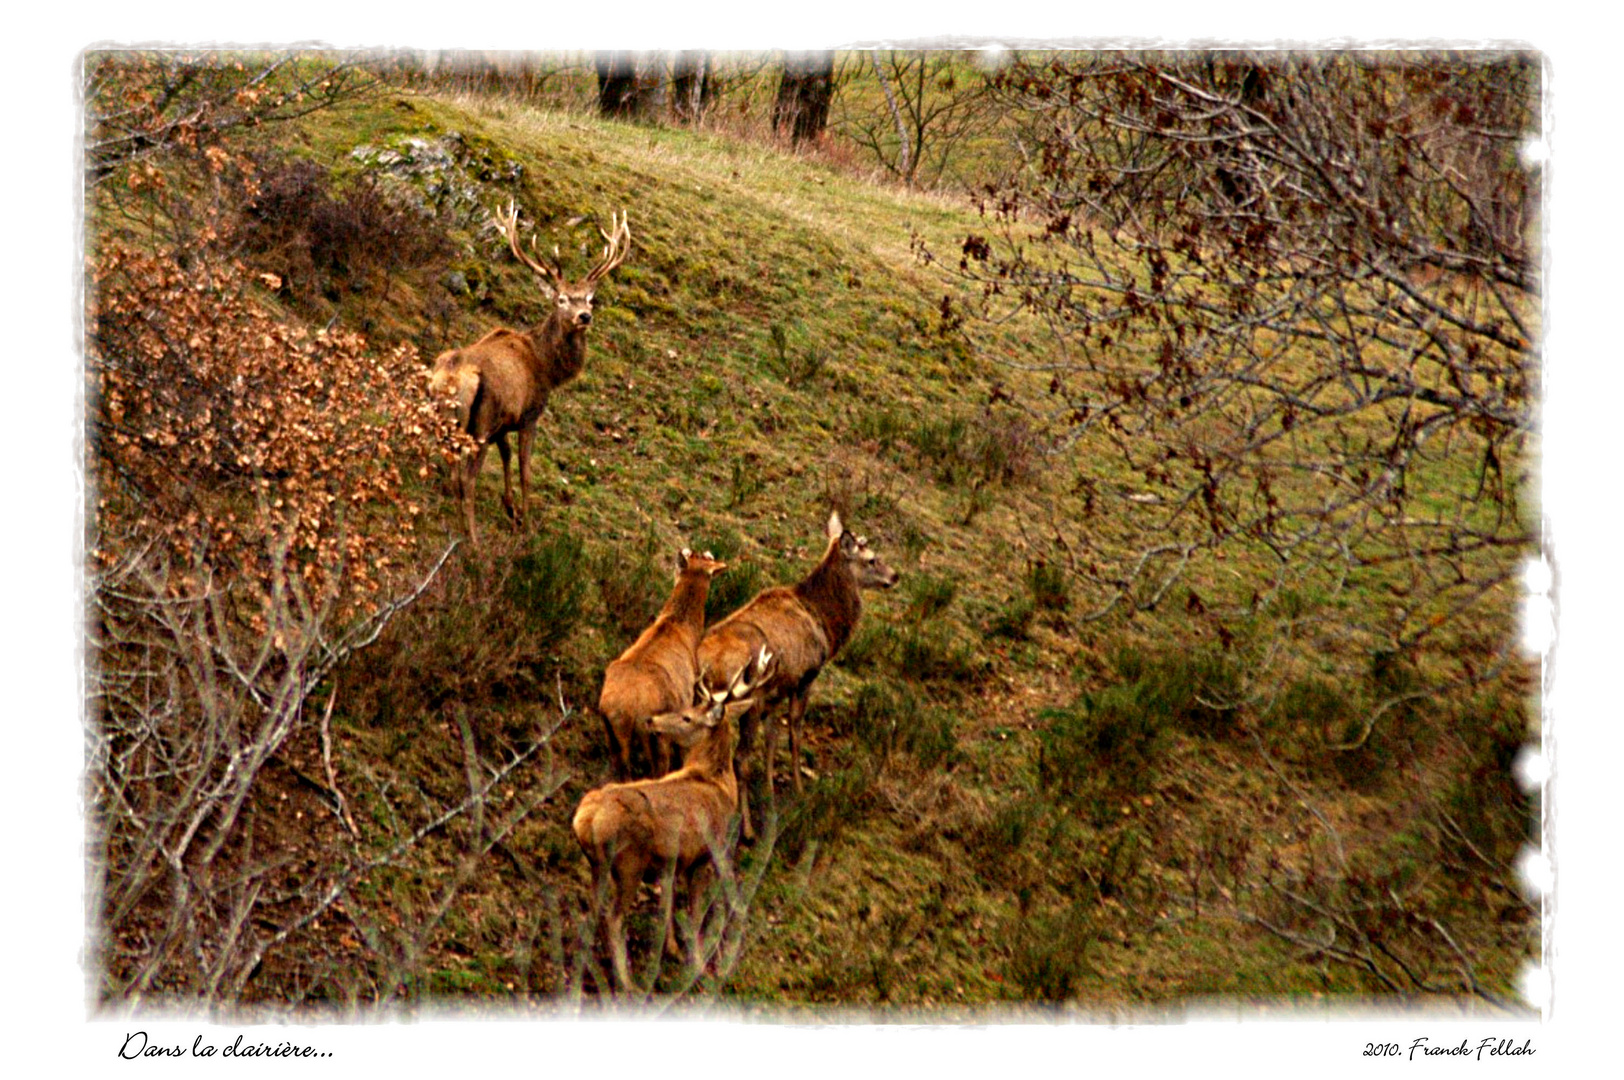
{"points": [[142, 103], [1293, 306], [934, 102]]}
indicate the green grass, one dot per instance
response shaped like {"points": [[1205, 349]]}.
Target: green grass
{"points": [[770, 349]]}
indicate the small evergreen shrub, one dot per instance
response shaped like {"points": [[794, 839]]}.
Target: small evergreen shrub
{"points": [[547, 587]]}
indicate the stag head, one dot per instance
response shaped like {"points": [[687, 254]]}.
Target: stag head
{"points": [[572, 299], [695, 723]]}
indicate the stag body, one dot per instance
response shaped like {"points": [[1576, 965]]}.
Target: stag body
{"points": [[676, 824], [500, 384], [804, 625], [657, 673]]}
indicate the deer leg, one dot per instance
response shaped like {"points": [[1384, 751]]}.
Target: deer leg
{"points": [[741, 772], [527, 436], [699, 879], [467, 482], [668, 902], [626, 879], [506, 451], [620, 751], [770, 749], [797, 709], [660, 754]]}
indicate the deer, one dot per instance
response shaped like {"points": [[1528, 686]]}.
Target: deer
{"points": [[500, 384], [804, 625], [677, 825], [655, 674]]}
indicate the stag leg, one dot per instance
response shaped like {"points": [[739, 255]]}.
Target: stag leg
{"points": [[467, 481], [515, 514], [527, 436]]}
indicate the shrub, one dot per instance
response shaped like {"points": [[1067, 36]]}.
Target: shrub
{"points": [[1048, 957], [248, 530], [932, 654], [889, 717], [1200, 690], [1311, 711], [998, 845], [739, 583], [873, 644], [824, 810], [883, 427], [321, 237], [929, 595], [548, 587], [1007, 448], [1381, 729], [1047, 584], [1485, 810], [1106, 741], [795, 367], [1013, 620], [633, 585]]}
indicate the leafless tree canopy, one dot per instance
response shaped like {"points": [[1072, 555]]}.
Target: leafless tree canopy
{"points": [[1296, 297]]}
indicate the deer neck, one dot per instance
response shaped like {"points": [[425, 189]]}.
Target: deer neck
{"points": [[687, 604], [713, 759], [831, 593], [560, 349]]}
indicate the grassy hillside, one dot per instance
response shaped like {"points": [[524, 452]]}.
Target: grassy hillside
{"points": [[1006, 802]]}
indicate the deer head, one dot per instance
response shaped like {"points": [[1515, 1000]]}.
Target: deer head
{"points": [[867, 568], [572, 299], [688, 562], [694, 724]]}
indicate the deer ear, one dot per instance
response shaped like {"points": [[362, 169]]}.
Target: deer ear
{"points": [[736, 709], [835, 526], [682, 558]]}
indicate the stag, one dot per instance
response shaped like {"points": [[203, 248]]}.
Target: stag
{"points": [[500, 383], [804, 625], [656, 673], [676, 825]]}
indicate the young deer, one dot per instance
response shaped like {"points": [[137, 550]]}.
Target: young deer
{"points": [[804, 625], [656, 674], [676, 825], [501, 382]]}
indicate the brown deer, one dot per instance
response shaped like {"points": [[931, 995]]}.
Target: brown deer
{"points": [[502, 381], [656, 674], [676, 825], [804, 625]]}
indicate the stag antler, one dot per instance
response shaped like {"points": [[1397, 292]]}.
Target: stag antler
{"points": [[508, 224], [737, 688], [618, 243]]}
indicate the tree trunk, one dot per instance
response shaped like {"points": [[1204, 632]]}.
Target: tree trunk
{"points": [[624, 93], [691, 87], [904, 148], [804, 92]]}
